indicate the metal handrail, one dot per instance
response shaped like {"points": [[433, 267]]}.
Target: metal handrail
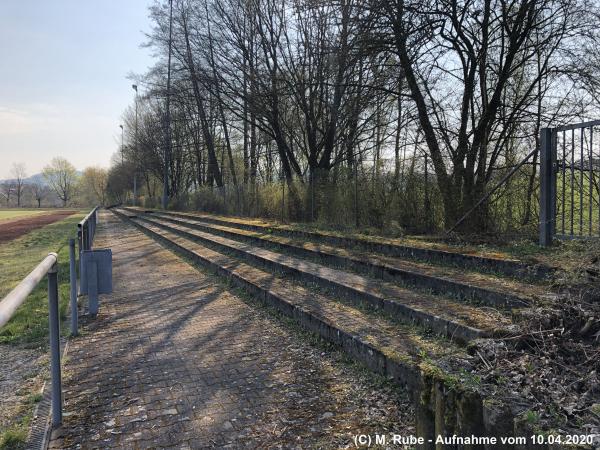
{"points": [[15, 298], [86, 230], [575, 126], [89, 215]]}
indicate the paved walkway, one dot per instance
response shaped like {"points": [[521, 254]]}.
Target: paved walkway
{"points": [[177, 360]]}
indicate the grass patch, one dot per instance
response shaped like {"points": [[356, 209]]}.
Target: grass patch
{"points": [[29, 325], [13, 439], [8, 214]]}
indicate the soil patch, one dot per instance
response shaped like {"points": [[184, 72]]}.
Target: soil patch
{"points": [[16, 228]]}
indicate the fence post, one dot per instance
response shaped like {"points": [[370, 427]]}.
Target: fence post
{"points": [[427, 203], [79, 250], [54, 345], [547, 190], [283, 200], [93, 233], [88, 237], [73, 282], [356, 219], [312, 196]]}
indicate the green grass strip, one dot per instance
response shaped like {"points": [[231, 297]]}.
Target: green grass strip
{"points": [[19, 257]]}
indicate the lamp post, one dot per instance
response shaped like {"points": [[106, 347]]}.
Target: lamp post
{"points": [[122, 147], [135, 88]]}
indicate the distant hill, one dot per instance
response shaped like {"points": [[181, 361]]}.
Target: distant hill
{"points": [[33, 179], [37, 178]]}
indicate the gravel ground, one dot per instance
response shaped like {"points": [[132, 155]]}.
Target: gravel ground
{"points": [[21, 373]]}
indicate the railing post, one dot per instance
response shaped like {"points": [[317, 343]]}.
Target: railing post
{"points": [[54, 326], [95, 225], [73, 282], [79, 250], [547, 190], [79, 240], [88, 238]]}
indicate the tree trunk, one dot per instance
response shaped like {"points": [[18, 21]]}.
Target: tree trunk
{"points": [[213, 164]]}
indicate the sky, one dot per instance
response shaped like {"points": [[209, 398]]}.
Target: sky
{"points": [[64, 67]]}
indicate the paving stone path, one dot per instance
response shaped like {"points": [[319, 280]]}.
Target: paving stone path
{"points": [[176, 359]]}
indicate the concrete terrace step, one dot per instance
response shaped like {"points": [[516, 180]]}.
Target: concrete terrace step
{"points": [[175, 359], [483, 288], [392, 337], [508, 267], [449, 318], [447, 400]]}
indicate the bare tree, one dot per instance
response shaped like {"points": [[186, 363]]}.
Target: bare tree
{"points": [[62, 178], [19, 174], [460, 61], [40, 192], [408, 93], [6, 190]]}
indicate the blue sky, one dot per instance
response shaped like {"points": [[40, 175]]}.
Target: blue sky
{"points": [[63, 78]]}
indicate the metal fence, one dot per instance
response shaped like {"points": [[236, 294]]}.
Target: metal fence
{"points": [[86, 230], [15, 298], [569, 182]]}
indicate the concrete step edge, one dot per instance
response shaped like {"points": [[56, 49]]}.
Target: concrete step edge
{"points": [[440, 408], [509, 267], [436, 284], [451, 329]]}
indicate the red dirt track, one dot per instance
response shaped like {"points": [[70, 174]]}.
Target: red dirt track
{"points": [[16, 228]]}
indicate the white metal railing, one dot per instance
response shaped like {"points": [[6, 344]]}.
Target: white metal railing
{"points": [[15, 298], [87, 230]]}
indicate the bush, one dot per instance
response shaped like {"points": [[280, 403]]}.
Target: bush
{"points": [[377, 202]]}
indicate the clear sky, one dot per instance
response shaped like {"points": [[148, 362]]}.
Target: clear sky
{"points": [[63, 78]]}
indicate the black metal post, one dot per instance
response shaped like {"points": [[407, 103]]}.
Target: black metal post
{"points": [[427, 203], [546, 191], [73, 282], [312, 196], [591, 180], [283, 199], [356, 216], [581, 168]]}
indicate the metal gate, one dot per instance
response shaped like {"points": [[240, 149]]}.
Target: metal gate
{"points": [[569, 182]]}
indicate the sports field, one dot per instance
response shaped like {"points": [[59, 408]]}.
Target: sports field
{"points": [[12, 214], [23, 341], [19, 222]]}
